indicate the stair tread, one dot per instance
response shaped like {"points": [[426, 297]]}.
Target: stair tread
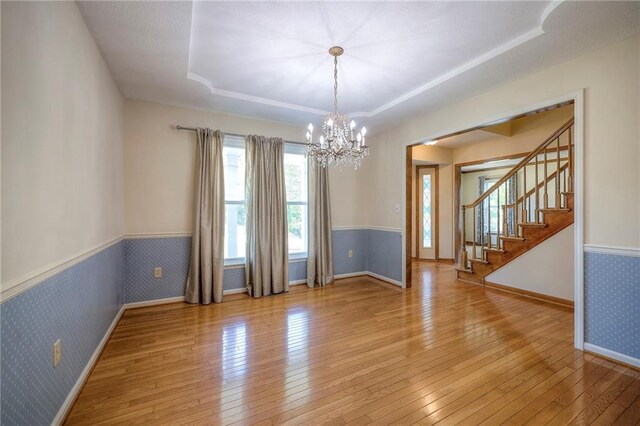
{"points": [[553, 210], [479, 261], [533, 224], [462, 269], [511, 238], [496, 250]]}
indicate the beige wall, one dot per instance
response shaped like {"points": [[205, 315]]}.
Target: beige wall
{"points": [[555, 278], [611, 138], [62, 166], [159, 166]]}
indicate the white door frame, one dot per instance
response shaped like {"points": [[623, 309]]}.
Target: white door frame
{"points": [[578, 188]]}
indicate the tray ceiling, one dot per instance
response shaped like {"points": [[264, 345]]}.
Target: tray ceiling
{"points": [[269, 59]]}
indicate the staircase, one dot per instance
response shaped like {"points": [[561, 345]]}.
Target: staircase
{"points": [[529, 204]]}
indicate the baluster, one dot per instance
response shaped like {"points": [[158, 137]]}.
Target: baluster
{"points": [[570, 188], [463, 255], [498, 218], [537, 192], [525, 217], [505, 226], [558, 172], [546, 195], [475, 232], [515, 208], [489, 220]]}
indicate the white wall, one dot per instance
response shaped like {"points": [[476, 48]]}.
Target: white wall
{"points": [[62, 166], [160, 161], [541, 269], [610, 77]]}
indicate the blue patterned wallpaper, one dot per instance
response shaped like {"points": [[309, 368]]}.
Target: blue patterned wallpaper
{"points": [[384, 253], [142, 255], [345, 240], [612, 302], [76, 306]]}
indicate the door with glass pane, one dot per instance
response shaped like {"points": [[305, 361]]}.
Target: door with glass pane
{"points": [[427, 212]]}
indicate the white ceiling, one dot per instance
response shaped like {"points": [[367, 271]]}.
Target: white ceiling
{"points": [[269, 59]]}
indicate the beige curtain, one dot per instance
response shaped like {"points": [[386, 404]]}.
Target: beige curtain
{"points": [[319, 260], [206, 270], [267, 263]]}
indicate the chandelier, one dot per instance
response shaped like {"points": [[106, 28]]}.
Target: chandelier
{"points": [[338, 144]]}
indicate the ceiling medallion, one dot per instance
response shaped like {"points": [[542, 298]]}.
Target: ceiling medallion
{"points": [[338, 143]]}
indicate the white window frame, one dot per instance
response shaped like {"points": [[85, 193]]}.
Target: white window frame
{"points": [[290, 148], [299, 149]]}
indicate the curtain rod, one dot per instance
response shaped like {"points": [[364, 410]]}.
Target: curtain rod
{"points": [[195, 129]]}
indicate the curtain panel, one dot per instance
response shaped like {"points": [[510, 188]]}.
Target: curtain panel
{"points": [[267, 254], [319, 258], [206, 269]]}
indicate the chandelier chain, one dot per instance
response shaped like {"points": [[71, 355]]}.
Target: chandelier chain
{"points": [[335, 84]]}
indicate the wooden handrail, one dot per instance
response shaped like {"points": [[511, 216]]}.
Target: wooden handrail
{"points": [[540, 185], [522, 163]]}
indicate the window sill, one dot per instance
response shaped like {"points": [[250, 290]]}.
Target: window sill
{"points": [[239, 262]]}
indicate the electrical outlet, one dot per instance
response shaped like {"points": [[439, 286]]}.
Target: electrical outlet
{"points": [[57, 352], [350, 253], [157, 272]]}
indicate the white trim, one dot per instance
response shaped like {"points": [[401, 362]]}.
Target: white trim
{"points": [[19, 285], [153, 302], [143, 235], [234, 266], [374, 228], [612, 354], [371, 274], [349, 275], [234, 291], [75, 390], [383, 278], [578, 98], [616, 251], [298, 282]]}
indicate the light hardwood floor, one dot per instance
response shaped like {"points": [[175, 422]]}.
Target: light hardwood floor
{"points": [[357, 352]]}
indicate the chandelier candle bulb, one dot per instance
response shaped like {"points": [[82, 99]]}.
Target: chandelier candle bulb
{"points": [[336, 145]]}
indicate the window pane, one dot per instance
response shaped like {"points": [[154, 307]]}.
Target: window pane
{"points": [[233, 158], [235, 235], [426, 211], [295, 171], [297, 220]]}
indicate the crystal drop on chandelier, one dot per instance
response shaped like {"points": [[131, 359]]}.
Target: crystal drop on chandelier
{"points": [[338, 144]]}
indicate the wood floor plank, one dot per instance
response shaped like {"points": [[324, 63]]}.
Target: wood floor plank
{"points": [[357, 352]]}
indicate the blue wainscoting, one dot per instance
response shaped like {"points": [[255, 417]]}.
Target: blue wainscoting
{"points": [[76, 306], [345, 240], [612, 302], [142, 255], [384, 253]]}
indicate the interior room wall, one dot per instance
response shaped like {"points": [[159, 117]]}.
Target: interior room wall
{"points": [[62, 130], [159, 166], [527, 133], [62, 207]]}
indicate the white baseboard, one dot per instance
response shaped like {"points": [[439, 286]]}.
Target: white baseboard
{"points": [[383, 278], [153, 302], [235, 291], [371, 274], [616, 356], [75, 390]]}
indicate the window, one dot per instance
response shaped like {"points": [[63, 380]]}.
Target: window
{"points": [[426, 211], [235, 235], [295, 170], [295, 178], [491, 209]]}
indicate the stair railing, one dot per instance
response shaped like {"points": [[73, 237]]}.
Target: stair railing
{"points": [[542, 173]]}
